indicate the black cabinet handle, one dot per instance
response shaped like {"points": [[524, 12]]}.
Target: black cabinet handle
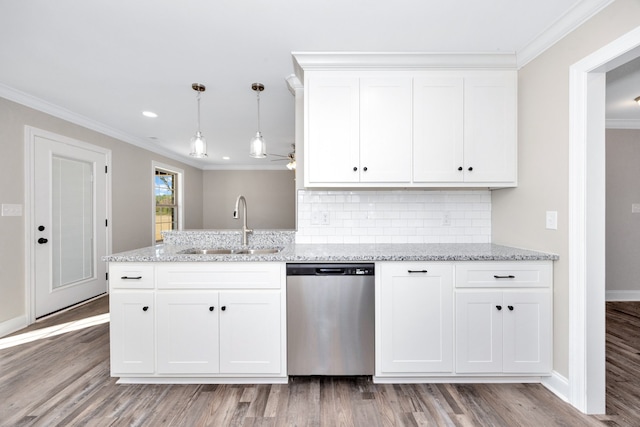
{"points": [[495, 276], [364, 169], [510, 307], [499, 307], [417, 271], [470, 169], [460, 168], [131, 278], [42, 240], [223, 308], [145, 308], [355, 168], [211, 308], [41, 228]]}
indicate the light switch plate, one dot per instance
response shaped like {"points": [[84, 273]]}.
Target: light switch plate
{"points": [[11, 210], [552, 220], [635, 208]]}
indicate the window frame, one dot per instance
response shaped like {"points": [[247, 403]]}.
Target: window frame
{"points": [[178, 196]]}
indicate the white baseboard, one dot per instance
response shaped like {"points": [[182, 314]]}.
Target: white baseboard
{"points": [[12, 325], [622, 295], [558, 385]]}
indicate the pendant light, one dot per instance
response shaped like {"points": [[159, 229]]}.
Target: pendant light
{"points": [[198, 143], [257, 146]]}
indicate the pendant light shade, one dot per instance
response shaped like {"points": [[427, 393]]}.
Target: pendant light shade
{"points": [[198, 143], [257, 145]]}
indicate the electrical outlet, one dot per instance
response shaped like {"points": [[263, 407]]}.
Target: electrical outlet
{"points": [[11, 210], [552, 220], [320, 218], [446, 219], [635, 208]]}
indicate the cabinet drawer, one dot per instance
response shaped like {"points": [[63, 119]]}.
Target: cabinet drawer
{"points": [[131, 276], [236, 275], [509, 274]]}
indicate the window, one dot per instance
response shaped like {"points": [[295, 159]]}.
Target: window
{"points": [[167, 194]]}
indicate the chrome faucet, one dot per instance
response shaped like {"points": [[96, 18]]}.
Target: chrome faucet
{"points": [[245, 230]]}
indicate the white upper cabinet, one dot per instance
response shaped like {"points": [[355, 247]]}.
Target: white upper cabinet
{"points": [[399, 124], [359, 130], [385, 129], [490, 127], [333, 128], [438, 123]]}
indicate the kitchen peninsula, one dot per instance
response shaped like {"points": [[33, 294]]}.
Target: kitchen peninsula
{"points": [[473, 312]]}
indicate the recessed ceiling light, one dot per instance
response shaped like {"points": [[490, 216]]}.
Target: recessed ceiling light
{"points": [[226, 158], [149, 114]]}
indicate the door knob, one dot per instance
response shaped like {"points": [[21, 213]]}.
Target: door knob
{"points": [[42, 240]]}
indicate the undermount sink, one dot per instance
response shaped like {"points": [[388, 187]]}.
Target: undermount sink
{"points": [[222, 251]]}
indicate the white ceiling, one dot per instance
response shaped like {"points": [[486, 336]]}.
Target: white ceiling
{"points": [[101, 63]]}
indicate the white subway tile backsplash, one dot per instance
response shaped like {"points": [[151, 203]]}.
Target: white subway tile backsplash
{"points": [[395, 216]]}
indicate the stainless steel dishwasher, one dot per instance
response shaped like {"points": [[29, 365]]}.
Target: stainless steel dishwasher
{"points": [[330, 319]]}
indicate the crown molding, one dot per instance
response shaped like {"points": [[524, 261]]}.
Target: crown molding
{"points": [[578, 15], [622, 124], [38, 104], [304, 61]]}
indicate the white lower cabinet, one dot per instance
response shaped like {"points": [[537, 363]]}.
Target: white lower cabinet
{"points": [[203, 321], [506, 327], [250, 340], [132, 332], [415, 318], [187, 330]]}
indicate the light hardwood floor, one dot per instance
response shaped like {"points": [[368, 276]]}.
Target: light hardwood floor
{"points": [[64, 381]]}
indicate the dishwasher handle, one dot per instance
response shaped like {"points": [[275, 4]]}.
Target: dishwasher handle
{"points": [[330, 271]]}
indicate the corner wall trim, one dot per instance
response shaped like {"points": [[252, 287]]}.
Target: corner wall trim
{"points": [[558, 385], [10, 326]]}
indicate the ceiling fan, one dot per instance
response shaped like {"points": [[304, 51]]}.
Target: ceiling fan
{"points": [[291, 157]]}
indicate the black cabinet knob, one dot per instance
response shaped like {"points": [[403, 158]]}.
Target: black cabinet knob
{"points": [[211, 308], [41, 228], [223, 308], [460, 168], [355, 168], [510, 307], [145, 308], [499, 307], [470, 169], [364, 169], [42, 240]]}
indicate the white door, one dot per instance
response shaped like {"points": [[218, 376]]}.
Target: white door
{"points": [[250, 332], [385, 129], [187, 332], [416, 318], [70, 214]]}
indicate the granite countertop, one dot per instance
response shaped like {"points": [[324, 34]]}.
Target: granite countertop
{"points": [[292, 252]]}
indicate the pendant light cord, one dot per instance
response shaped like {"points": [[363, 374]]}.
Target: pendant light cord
{"points": [[258, 110], [198, 97]]}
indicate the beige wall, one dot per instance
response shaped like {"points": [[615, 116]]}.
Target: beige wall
{"points": [[270, 199], [131, 195], [518, 216], [623, 226]]}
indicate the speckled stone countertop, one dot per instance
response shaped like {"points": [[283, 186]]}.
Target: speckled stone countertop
{"points": [[292, 252]]}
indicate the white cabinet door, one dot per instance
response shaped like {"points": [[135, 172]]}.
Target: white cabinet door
{"points": [[527, 331], [332, 130], [479, 331], [187, 330], [416, 318], [503, 331], [438, 122], [132, 332], [385, 129], [250, 339], [490, 134]]}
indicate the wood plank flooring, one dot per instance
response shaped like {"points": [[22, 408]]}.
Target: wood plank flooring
{"points": [[64, 381]]}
